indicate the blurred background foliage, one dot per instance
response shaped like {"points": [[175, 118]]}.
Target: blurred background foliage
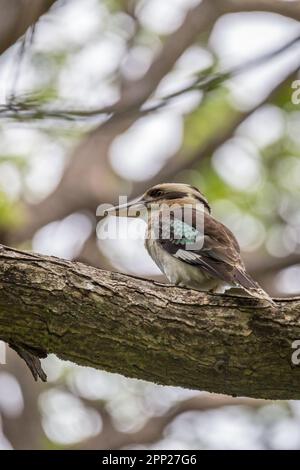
{"points": [[239, 142]]}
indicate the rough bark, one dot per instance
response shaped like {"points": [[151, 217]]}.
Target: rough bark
{"points": [[168, 335]]}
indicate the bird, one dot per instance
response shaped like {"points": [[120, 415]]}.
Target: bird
{"points": [[191, 247]]}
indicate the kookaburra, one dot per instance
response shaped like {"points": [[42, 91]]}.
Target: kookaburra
{"points": [[189, 246]]}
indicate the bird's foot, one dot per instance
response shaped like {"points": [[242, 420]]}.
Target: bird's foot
{"points": [[32, 358]]}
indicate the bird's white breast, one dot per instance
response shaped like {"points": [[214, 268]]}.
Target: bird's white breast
{"points": [[178, 272]]}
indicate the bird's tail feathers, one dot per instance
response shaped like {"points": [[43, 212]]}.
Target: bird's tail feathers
{"points": [[253, 288]]}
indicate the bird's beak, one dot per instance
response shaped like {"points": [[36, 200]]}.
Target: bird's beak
{"points": [[130, 209]]}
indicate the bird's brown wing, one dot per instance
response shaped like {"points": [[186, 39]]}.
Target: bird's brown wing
{"points": [[218, 254]]}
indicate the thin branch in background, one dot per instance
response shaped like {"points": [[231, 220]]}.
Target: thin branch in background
{"points": [[24, 44], [205, 82], [29, 110]]}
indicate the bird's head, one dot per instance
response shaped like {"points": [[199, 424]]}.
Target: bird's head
{"points": [[166, 194], [175, 193]]}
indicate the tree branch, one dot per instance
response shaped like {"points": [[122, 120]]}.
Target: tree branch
{"points": [[290, 9], [155, 428], [17, 16], [30, 110], [168, 335]]}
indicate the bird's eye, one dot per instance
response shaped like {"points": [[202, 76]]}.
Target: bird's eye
{"points": [[156, 193]]}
